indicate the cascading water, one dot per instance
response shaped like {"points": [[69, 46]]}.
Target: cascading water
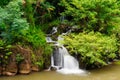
{"points": [[70, 64], [57, 58], [49, 40], [62, 60]]}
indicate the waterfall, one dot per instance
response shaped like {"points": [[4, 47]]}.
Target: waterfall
{"points": [[54, 30], [57, 58], [69, 64], [49, 40], [61, 59]]}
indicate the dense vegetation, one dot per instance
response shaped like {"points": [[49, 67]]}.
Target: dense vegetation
{"points": [[92, 49], [96, 41], [94, 25], [89, 15], [17, 31]]}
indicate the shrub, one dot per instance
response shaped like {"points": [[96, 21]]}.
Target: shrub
{"points": [[35, 37], [5, 52], [44, 12], [13, 26], [94, 49], [97, 15], [4, 2]]}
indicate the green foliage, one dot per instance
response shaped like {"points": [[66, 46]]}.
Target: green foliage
{"points": [[48, 26], [5, 52], [97, 15], [47, 49], [42, 58], [93, 48], [35, 37], [29, 12], [19, 58], [13, 26], [37, 60], [89, 15], [116, 31], [4, 2], [44, 12], [40, 63]]}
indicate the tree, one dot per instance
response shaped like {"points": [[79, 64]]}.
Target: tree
{"points": [[97, 15]]}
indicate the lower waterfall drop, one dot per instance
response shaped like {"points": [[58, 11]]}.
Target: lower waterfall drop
{"points": [[66, 64]]}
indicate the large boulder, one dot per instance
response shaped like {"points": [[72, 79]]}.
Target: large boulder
{"points": [[11, 67], [24, 67], [25, 64], [8, 73]]}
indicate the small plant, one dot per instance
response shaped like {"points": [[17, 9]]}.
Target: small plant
{"points": [[40, 63], [5, 52], [37, 61], [19, 58]]}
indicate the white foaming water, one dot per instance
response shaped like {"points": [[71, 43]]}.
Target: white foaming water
{"points": [[71, 65], [71, 71], [48, 39]]}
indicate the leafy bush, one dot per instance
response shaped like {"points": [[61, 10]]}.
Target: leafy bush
{"points": [[97, 15], [5, 52], [44, 12], [116, 31], [29, 12], [13, 26], [35, 37], [94, 49], [41, 50], [4, 2], [19, 58]]}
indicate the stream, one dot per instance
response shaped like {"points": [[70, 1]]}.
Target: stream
{"points": [[110, 72]]}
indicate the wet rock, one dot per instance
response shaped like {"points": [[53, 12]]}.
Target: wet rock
{"points": [[11, 68], [8, 73], [24, 67], [35, 68], [53, 68]]}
